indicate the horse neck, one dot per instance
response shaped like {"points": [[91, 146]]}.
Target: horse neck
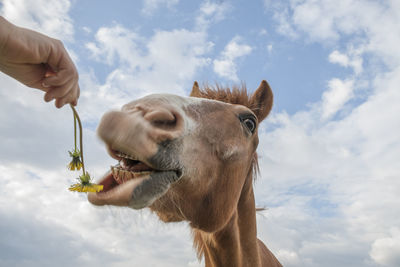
{"points": [[236, 244]]}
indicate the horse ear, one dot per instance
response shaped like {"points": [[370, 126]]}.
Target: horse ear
{"points": [[195, 90], [261, 101]]}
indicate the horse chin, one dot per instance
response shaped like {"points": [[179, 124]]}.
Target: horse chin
{"points": [[133, 189]]}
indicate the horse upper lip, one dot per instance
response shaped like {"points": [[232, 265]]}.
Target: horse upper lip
{"points": [[120, 156], [123, 155]]}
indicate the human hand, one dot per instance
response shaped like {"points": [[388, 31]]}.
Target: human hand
{"points": [[38, 61]]}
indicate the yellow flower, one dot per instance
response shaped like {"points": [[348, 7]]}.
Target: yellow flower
{"points": [[85, 185], [86, 188], [76, 160]]}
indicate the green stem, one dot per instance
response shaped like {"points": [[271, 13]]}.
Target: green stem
{"points": [[74, 130], [80, 137]]}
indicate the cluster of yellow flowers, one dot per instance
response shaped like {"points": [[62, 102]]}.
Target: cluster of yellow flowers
{"points": [[77, 163]]}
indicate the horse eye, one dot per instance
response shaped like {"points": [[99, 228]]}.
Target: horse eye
{"points": [[250, 124]]}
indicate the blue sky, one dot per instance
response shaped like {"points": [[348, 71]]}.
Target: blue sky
{"points": [[329, 151], [251, 22]]}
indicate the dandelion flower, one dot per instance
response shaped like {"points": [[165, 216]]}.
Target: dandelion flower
{"points": [[85, 185], [76, 160], [86, 188]]}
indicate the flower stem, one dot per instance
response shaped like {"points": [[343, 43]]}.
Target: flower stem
{"points": [[80, 136], [74, 130]]}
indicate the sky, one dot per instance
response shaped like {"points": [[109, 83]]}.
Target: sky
{"points": [[329, 152]]}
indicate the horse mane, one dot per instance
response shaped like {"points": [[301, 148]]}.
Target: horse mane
{"points": [[237, 95]]}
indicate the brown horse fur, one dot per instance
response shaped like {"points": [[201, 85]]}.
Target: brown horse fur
{"points": [[193, 159]]}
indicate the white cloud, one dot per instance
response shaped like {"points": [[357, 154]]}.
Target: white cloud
{"points": [[178, 53], [386, 250], [226, 66], [283, 18], [289, 257], [149, 6], [336, 96], [51, 19], [353, 59], [324, 20], [163, 63], [211, 12], [86, 29], [339, 58], [115, 44], [328, 22]]}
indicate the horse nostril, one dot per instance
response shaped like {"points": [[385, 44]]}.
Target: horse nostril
{"points": [[161, 117]]}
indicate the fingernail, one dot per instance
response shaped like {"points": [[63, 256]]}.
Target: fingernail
{"points": [[45, 85]]}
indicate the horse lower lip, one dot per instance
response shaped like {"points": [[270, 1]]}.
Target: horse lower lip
{"points": [[122, 194], [114, 194]]}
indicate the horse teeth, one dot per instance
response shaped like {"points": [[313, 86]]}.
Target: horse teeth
{"points": [[124, 176], [121, 175], [115, 173]]}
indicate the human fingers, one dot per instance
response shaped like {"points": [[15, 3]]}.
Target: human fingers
{"points": [[61, 83], [59, 78], [71, 98], [56, 92]]}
